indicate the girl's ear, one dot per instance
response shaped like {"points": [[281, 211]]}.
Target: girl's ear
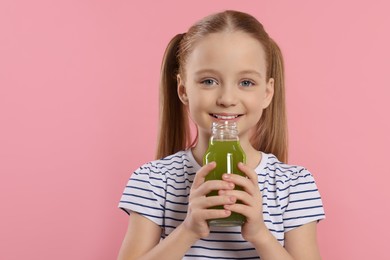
{"points": [[269, 93], [181, 90]]}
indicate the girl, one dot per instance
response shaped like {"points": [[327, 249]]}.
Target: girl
{"points": [[225, 67]]}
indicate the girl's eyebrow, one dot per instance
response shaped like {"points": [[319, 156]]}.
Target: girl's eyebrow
{"points": [[251, 72], [243, 72], [213, 71]]}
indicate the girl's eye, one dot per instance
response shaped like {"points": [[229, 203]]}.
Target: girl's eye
{"points": [[246, 83], [208, 82]]}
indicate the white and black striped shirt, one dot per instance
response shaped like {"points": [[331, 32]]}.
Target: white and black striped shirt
{"points": [[159, 190]]}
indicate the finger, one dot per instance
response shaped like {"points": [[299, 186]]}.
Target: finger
{"points": [[212, 201], [240, 181], [202, 173], [205, 214], [241, 196], [249, 212], [249, 172], [212, 185], [239, 208]]}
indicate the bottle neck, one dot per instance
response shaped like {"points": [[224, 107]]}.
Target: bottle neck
{"points": [[224, 131]]}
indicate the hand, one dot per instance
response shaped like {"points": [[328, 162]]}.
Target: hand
{"points": [[252, 202], [198, 205]]}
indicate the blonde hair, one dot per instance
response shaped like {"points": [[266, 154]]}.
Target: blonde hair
{"points": [[270, 135]]}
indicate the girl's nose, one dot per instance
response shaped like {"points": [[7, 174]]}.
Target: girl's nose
{"points": [[227, 97]]}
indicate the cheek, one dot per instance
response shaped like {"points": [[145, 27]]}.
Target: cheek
{"points": [[199, 98], [195, 106], [255, 102], [255, 107]]}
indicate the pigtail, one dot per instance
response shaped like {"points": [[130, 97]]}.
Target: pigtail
{"points": [[271, 133], [174, 131]]}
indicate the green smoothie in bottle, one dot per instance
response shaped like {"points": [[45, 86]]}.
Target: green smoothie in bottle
{"points": [[225, 149]]}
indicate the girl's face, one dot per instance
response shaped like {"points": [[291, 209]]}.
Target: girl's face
{"points": [[225, 79]]}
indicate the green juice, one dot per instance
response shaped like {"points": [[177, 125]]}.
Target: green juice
{"points": [[227, 154]]}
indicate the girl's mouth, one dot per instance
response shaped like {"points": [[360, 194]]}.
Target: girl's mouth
{"points": [[225, 117]]}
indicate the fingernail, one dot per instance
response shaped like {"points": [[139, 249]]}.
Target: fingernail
{"points": [[231, 185], [226, 176]]}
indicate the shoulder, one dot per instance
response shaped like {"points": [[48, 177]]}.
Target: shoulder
{"points": [[296, 193], [290, 182], [172, 164], [286, 173], [152, 180], [178, 159]]}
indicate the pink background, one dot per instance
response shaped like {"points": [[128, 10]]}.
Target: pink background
{"points": [[79, 106]]}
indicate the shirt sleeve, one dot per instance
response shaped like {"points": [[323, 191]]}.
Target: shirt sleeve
{"points": [[302, 201], [145, 194]]}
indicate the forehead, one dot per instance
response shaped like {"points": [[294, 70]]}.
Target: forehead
{"points": [[227, 51]]}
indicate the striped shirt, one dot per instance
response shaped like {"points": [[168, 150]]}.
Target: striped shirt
{"points": [[159, 190]]}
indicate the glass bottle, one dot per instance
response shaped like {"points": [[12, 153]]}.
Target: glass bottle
{"points": [[225, 149]]}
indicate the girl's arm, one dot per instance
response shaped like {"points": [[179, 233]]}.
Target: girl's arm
{"points": [[141, 236], [142, 240], [300, 243]]}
